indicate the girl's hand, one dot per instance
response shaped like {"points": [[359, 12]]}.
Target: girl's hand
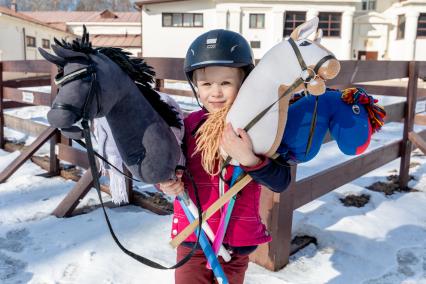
{"points": [[239, 147], [172, 187]]}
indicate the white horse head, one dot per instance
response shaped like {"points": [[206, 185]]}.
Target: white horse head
{"points": [[272, 76]]}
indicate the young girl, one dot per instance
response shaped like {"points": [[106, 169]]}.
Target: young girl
{"points": [[217, 63]]}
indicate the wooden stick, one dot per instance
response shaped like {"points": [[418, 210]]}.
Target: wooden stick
{"points": [[210, 211]]}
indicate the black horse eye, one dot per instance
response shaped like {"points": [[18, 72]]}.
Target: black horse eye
{"points": [[305, 43]]}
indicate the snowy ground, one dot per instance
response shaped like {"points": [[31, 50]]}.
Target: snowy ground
{"points": [[382, 242]]}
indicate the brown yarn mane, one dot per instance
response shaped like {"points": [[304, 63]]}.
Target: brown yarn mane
{"points": [[208, 138]]}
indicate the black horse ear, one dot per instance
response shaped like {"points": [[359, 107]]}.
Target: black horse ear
{"points": [[52, 58], [67, 53]]}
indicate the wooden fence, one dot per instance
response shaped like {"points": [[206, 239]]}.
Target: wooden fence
{"points": [[276, 209]]}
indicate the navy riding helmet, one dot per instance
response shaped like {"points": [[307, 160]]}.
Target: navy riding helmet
{"points": [[218, 48]]}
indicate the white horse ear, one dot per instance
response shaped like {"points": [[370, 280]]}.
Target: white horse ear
{"points": [[305, 29], [318, 36]]}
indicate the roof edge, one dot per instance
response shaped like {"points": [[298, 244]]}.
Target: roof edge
{"points": [[144, 2]]}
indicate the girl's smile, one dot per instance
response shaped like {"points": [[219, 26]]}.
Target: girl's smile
{"points": [[218, 86]]}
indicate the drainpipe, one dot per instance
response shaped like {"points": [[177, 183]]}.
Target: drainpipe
{"points": [[228, 18], [386, 53], [25, 43]]}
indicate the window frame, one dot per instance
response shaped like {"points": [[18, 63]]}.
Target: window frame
{"points": [[43, 41], [400, 34], [329, 22], [257, 15], [253, 44], [368, 4], [29, 39], [182, 15], [294, 21]]}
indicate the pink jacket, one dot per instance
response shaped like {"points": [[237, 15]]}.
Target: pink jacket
{"points": [[245, 227]]}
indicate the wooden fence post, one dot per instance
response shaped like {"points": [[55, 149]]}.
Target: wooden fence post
{"points": [[1, 108], [129, 183], [54, 166], [276, 210], [410, 111]]}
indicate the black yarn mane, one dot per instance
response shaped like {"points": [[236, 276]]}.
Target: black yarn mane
{"points": [[136, 68]]}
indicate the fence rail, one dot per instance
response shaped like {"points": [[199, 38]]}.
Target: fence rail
{"points": [[276, 209]]}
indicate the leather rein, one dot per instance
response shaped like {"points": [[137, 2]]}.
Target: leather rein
{"points": [[307, 74], [86, 74]]}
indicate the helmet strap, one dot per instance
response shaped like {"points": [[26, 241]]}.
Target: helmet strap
{"points": [[193, 89]]}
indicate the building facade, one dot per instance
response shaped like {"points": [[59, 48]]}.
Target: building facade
{"points": [[353, 29], [22, 35], [106, 28]]}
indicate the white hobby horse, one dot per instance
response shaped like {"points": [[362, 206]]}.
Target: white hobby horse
{"points": [[276, 71]]}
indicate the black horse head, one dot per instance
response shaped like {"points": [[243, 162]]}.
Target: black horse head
{"points": [[114, 71], [97, 82]]}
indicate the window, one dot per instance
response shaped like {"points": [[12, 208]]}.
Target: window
{"points": [[45, 43], [292, 20], [255, 44], [177, 20], [368, 5], [421, 25], [257, 21], [30, 41], [167, 20], [182, 20], [330, 23], [400, 33]]}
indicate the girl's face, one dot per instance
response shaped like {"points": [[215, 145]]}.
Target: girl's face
{"points": [[218, 86]]}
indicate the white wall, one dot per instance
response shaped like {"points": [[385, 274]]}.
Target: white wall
{"points": [[11, 28], [375, 33], [420, 51], [371, 33], [173, 42], [265, 36], [161, 41], [411, 47]]}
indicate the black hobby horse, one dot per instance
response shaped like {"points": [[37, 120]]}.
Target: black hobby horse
{"points": [[121, 91]]}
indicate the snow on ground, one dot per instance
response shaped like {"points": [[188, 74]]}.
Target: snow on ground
{"points": [[380, 243]]}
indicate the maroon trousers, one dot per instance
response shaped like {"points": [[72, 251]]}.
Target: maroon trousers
{"points": [[195, 271]]}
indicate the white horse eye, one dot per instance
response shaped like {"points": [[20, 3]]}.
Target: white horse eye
{"points": [[305, 43]]}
